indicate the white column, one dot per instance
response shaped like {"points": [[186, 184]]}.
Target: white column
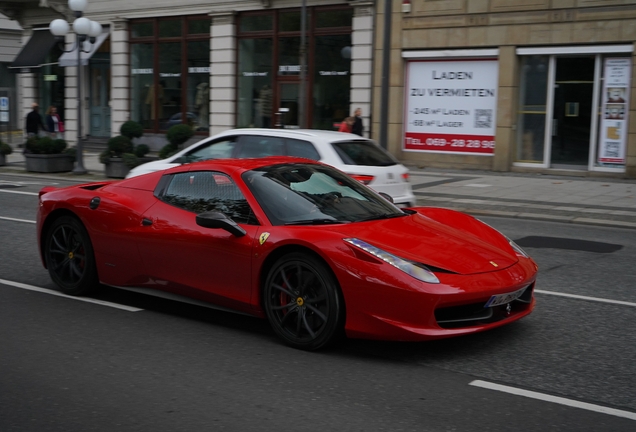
{"points": [[120, 75], [222, 72], [28, 84], [362, 60]]}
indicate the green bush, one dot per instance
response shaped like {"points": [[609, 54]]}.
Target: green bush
{"points": [[131, 129], [178, 134], [45, 145], [104, 156], [141, 150], [5, 149], [130, 160], [72, 152], [119, 145], [167, 151]]}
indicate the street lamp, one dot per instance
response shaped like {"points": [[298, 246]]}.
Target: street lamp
{"points": [[86, 32]]}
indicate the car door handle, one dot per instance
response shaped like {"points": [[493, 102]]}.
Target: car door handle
{"points": [[146, 222]]}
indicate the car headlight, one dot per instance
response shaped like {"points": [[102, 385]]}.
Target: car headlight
{"points": [[418, 271]]}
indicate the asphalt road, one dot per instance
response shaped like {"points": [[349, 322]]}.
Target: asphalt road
{"points": [[70, 365]]}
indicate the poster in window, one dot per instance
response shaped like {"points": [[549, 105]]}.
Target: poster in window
{"points": [[613, 131], [451, 106]]}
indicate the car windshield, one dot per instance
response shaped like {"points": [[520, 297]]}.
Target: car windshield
{"points": [[362, 152], [304, 194]]}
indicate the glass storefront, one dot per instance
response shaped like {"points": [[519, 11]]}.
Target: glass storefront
{"points": [[170, 72], [269, 67], [572, 111]]}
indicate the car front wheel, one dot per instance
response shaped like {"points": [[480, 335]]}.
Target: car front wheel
{"points": [[303, 302]]}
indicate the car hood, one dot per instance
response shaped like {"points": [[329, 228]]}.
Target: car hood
{"points": [[426, 241]]}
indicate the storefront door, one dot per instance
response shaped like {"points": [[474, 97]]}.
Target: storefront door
{"points": [[100, 99], [572, 112], [288, 103]]}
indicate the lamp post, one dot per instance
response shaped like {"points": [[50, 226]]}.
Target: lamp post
{"points": [[86, 32]]}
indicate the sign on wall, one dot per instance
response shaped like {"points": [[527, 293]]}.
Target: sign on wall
{"points": [[451, 106], [613, 134]]}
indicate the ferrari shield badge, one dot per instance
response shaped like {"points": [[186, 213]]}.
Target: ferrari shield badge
{"points": [[263, 238]]}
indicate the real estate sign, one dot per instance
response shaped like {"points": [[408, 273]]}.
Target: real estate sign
{"points": [[451, 106]]}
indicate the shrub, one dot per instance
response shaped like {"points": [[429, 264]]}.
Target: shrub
{"points": [[131, 129], [167, 150], [130, 160], [119, 145], [104, 156], [5, 149], [141, 150], [44, 145], [178, 134], [72, 152]]}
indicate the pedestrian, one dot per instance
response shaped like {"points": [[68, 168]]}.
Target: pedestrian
{"points": [[346, 125], [34, 121], [54, 123], [357, 127]]}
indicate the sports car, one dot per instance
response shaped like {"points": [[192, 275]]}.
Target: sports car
{"points": [[300, 243]]}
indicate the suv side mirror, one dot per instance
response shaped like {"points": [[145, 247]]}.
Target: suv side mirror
{"points": [[214, 219]]}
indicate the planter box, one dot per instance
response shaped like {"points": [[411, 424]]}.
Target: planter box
{"points": [[48, 163], [116, 168]]}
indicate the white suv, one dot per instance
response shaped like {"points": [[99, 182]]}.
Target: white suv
{"points": [[359, 157]]}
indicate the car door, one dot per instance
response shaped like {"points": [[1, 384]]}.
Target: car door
{"points": [[187, 259]]}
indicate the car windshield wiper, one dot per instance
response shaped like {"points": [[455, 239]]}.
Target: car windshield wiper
{"points": [[382, 216], [317, 222]]}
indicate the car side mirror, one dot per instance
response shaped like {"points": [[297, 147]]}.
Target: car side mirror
{"points": [[214, 219]]}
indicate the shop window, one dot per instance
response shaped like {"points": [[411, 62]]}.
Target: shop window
{"points": [[255, 92], [532, 109], [256, 23], [289, 21], [334, 18], [170, 74]]}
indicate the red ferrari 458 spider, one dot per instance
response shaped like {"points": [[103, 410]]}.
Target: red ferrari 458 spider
{"points": [[297, 242]]}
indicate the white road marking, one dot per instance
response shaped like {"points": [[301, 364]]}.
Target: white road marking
{"points": [[554, 399], [479, 185], [580, 297], [16, 220], [19, 192], [59, 294]]}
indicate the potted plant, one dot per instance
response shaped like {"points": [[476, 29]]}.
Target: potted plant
{"points": [[121, 154], [176, 136], [47, 155], [5, 149]]}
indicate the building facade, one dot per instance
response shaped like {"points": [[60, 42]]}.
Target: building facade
{"points": [[10, 42], [523, 85], [212, 65]]}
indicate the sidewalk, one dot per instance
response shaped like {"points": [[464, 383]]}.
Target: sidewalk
{"points": [[580, 200]]}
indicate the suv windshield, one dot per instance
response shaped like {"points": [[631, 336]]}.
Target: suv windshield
{"points": [[294, 194], [362, 152]]}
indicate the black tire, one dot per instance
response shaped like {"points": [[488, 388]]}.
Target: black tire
{"points": [[69, 256], [303, 302]]}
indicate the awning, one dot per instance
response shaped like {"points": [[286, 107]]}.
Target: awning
{"points": [[34, 52], [70, 58]]}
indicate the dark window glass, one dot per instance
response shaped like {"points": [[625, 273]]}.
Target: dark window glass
{"points": [[363, 153], [199, 26], [203, 191], [302, 148], [289, 21], [142, 29], [334, 18], [167, 93], [289, 56], [253, 146], [332, 80], [255, 93], [170, 28], [252, 23], [198, 94], [143, 91]]}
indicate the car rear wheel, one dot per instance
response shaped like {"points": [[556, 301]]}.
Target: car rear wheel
{"points": [[69, 256], [303, 302]]}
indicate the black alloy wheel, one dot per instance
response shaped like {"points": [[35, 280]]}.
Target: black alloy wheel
{"points": [[69, 256], [303, 302]]}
